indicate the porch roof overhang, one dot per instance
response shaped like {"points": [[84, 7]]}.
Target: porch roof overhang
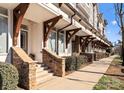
{"points": [[99, 43], [42, 13], [9, 5], [87, 24]]}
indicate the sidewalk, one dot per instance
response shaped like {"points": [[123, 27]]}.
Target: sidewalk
{"points": [[84, 78]]}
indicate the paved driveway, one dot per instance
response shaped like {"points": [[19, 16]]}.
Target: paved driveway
{"points": [[83, 79]]}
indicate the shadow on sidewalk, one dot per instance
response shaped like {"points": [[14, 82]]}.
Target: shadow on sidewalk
{"points": [[101, 73], [81, 80]]}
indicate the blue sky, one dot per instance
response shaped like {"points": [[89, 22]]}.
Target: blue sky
{"points": [[112, 29]]}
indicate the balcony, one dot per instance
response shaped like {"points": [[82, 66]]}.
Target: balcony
{"points": [[84, 10]]}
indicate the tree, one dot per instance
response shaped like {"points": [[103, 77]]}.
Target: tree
{"points": [[119, 12]]}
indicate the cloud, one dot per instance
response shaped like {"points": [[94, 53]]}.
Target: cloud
{"points": [[114, 22]]}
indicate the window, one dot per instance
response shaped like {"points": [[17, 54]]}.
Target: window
{"points": [[3, 30], [52, 42], [61, 43], [24, 38]]}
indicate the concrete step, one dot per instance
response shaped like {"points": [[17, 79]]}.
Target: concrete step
{"points": [[48, 82], [44, 78], [39, 63], [40, 74], [43, 74], [40, 70], [40, 67]]}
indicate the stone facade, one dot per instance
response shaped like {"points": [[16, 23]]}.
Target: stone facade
{"points": [[55, 63], [26, 68]]}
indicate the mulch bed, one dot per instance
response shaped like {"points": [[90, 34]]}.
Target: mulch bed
{"points": [[115, 69]]}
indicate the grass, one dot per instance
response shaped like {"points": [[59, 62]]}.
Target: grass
{"points": [[111, 82], [117, 61]]}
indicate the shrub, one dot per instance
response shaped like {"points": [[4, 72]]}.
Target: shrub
{"points": [[80, 60], [74, 62], [8, 76], [70, 63]]}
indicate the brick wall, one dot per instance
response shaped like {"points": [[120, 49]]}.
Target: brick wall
{"points": [[26, 68], [55, 63]]}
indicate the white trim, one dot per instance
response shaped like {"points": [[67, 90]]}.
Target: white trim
{"points": [[3, 15], [8, 30], [3, 54], [24, 29], [61, 54]]}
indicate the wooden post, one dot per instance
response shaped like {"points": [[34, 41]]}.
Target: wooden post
{"points": [[18, 14]]}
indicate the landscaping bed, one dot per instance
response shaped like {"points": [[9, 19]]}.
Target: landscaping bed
{"points": [[73, 63], [113, 78], [109, 83], [83, 65]]}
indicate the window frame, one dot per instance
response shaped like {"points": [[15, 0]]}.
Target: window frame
{"points": [[26, 30], [61, 53], [7, 37], [53, 31]]}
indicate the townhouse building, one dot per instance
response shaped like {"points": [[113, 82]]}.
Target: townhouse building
{"points": [[46, 33]]}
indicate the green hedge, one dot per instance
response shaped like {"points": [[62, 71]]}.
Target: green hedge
{"points": [[74, 62], [70, 63], [8, 76]]}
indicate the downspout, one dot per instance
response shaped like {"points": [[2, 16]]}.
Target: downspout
{"points": [[68, 24], [74, 10], [93, 14], [61, 30]]}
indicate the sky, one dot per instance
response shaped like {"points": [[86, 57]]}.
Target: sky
{"points": [[112, 29]]}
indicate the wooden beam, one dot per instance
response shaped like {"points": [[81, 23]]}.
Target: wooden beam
{"points": [[84, 38], [18, 14], [48, 26], [86, 41], [70, 34], [60, 4]]}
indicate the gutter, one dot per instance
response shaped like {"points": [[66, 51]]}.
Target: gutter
{"points": [[75, 11], [68, 24]]}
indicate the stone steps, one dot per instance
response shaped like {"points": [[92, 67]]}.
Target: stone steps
{"points": [[43, 74]]}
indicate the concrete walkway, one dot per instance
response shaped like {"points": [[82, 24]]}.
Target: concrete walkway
{"points": [[84, 78]]}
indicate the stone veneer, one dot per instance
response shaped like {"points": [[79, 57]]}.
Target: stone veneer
{"points": [[26, 68], [54, 62]]}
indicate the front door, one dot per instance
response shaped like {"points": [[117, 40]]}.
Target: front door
{"points": [[24, 39]]}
